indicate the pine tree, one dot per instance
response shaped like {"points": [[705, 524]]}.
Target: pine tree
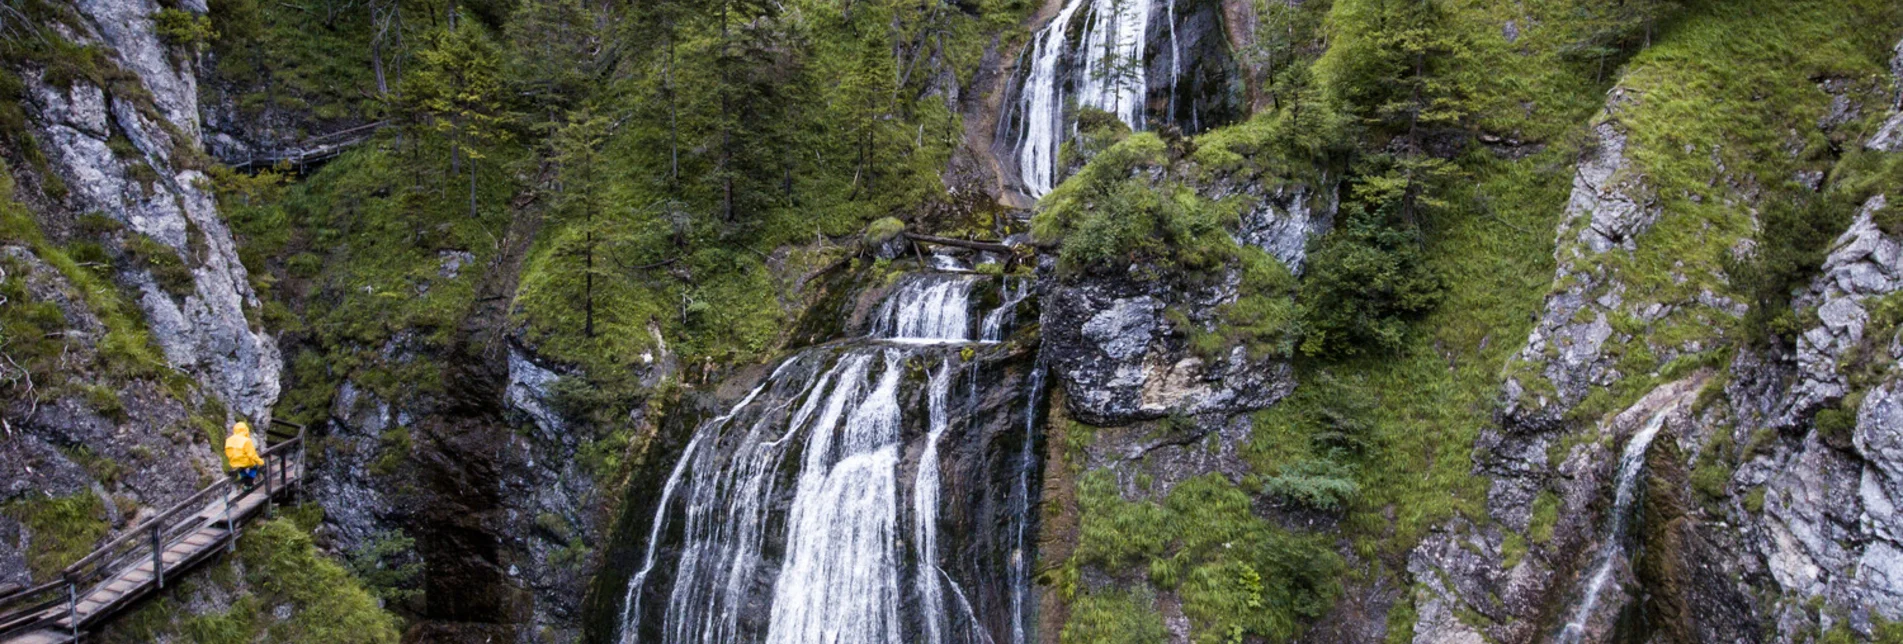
{"points": [[1402, 76], [456, 89], [581, 197]]}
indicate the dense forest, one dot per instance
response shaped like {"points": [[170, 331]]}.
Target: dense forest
{"points": [[1068, 321]]}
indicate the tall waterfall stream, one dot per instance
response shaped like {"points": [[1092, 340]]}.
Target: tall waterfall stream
{"points": [[791, 517], [1105, 68]]}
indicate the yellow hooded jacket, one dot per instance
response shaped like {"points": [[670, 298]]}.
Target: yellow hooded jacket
{"points": [[240, 451]]}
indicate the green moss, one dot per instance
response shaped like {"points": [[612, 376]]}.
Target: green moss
{"points": [[393, 449], [167, 268], [62, 530], [1512, 550], [1545, 516]]}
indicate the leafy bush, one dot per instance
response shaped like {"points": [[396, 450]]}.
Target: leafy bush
{"points": [[387, 564], [1366, 280], [1320, 484], [182, 28], [1238, 575]]}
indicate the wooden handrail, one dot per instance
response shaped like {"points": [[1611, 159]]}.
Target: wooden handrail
{"points": [[34, 607]]}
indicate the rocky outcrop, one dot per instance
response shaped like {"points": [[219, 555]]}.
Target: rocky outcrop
{"points": [[1123, 357], [154, 188], [1608, 209], [1829, 528]]}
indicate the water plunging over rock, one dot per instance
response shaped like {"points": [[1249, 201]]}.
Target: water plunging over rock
{"points": [[785, 519], [1612, 549], [1116, 56]]}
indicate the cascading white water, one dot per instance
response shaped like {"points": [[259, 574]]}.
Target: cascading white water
{"points": [[928, 309], [1631, 465], [787, 506], [997, 322], [1111, 52], [840, 584], [1021, 508], [925, 509]]}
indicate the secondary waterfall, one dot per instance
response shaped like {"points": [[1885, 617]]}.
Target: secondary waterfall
{"points": [[1105, 68], [810, 512], [1631, 465]]}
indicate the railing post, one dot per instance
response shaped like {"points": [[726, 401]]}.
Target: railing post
{"points": [[72, 606], [158, 556], [267, 487], [231, 529]]}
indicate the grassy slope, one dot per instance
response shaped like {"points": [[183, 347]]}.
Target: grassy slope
{"points": [[275, 566], [1736, 75]]}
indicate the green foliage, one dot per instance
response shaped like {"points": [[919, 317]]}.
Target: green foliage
{"points": [[1236, 573], [1366, 280], [1545, 517], [327, 64], [387, 565], [1263, 317], [281, 567], [167, 268], [1114, 617], [181, 28], [1319, 484], [62, 530], [1116, 212], [393, 450]]}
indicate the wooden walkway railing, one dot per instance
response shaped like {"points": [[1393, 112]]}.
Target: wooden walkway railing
{"points": [[144, 557]]}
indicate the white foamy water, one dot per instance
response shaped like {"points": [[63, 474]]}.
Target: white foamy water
{"points": [[1631, 466], [781, 521], [1110, 52], [927, 309]]}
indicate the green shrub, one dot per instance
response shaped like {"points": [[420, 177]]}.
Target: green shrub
{"points": [[1114, 617], [181, 28], [1320, 484], [387, 564], [1366, 280]]}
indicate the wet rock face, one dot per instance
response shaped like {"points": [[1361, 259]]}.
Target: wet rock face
{"points": [[156, 193], [1194, 82]]}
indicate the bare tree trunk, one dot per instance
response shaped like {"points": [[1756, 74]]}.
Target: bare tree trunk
{"points": [[673, 122]]}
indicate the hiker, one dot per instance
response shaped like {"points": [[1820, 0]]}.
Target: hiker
{"points": [[242, 454]]}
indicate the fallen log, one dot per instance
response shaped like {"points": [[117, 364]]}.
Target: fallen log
{"points": [[994, 247]]}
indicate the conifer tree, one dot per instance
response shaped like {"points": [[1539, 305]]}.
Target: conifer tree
{"points": [[456, 88]]}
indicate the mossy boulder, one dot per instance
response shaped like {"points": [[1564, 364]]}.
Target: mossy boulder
{"points": [[885, 238]]}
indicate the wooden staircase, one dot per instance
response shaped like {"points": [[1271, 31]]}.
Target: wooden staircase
{"points": [[142, 559]]}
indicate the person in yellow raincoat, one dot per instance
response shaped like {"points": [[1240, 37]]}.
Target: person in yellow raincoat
{"points": [[241, 452]]}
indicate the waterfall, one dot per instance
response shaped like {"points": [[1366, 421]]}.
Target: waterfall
{"points": [[1631, 465], [781, 521], [1021, 519], [928, 309], [1111, 53], [998, 322], [925, 508]]}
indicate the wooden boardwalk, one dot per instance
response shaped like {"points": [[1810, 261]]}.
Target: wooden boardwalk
{"points": [[144, 558]]}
